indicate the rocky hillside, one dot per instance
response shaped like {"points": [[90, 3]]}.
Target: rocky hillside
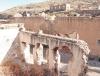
{"points": [[45, 5], [29, 7]]}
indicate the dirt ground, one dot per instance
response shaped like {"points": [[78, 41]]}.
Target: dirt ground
{"points": [[93, 74]]}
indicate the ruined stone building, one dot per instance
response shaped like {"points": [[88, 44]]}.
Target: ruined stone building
{"points": [[60, 7], [92, 13], [26, 47]]}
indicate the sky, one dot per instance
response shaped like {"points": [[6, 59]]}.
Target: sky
{"points": [[6, 4]]}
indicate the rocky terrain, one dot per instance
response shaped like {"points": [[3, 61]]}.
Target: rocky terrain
{"points": [[45, 5]]}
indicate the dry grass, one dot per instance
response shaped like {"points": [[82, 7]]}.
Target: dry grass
{"points": [[30, 70], [13, 68], [37, 70], [33, 71]]}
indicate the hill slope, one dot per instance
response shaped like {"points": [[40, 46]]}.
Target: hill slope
{"points": [[45, 5]]}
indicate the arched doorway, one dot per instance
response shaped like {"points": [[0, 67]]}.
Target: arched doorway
{"points": [[62, 57]]}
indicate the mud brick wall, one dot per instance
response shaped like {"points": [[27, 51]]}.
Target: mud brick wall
{"points": [[88, 28]]}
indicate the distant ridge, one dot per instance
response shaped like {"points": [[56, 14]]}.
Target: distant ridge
{"points": [[45, 5]]}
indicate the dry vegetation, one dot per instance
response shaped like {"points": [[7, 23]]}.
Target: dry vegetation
{"points": [[30, 70]]}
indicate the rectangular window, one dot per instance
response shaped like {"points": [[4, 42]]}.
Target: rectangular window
{"points": [[31, 48]]}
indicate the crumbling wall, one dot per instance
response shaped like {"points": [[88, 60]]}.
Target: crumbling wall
{"points": [[79, 50], [88, 28]]}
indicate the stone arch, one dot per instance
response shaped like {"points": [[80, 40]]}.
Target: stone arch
{"points": [[65, 49], [75, 65], [65, 56]]}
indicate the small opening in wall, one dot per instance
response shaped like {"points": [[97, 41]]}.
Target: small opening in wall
{"points": [[98, 42], [99, 59], [31, 48]]}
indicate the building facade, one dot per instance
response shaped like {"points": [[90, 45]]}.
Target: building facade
{"points": [[60, 7]]}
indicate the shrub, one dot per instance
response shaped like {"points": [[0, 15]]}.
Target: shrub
{"points": [[13, 68]]}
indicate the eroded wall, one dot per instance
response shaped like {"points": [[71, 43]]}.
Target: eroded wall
{"points": [[88, 28]]}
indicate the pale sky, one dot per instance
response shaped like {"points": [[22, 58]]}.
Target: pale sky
{"points": [[6, 4]]}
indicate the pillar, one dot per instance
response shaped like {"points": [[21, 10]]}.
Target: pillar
{"points": [[34, 54], [50, 56], [27, 55], [38, 54], [23, 45], [75, 64]]}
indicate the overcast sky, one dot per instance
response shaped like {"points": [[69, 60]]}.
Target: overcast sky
{"points": [[6, 4]]}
